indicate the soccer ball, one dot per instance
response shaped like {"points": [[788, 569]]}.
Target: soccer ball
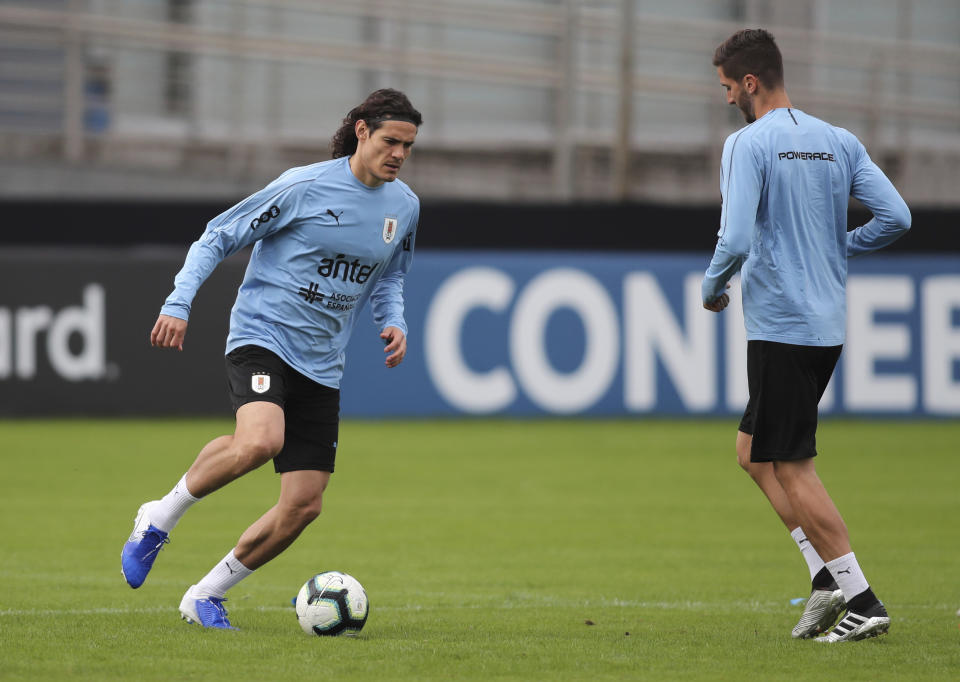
{"points": [[332, 603]]}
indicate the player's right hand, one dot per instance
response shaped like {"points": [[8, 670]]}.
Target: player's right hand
{"points": [[719, 303], [168, 332]]}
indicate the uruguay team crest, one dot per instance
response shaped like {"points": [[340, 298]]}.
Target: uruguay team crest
{"points": [[389, 229], [260, 383]]}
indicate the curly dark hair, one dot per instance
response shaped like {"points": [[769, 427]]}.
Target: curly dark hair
{"points": [[754, 51], [379, 106]]}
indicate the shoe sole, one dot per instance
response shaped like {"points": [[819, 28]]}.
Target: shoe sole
{"points": [[186, 613], [874, 627], [192, 620], [125, 578]]}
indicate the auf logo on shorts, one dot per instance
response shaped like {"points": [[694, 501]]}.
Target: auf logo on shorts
{"points": [[265, 217], [260, 383]]}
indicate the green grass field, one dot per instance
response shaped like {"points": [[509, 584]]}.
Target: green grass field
{"points": [[485, 548]]}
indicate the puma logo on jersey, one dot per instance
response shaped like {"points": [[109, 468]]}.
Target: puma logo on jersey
{"points": [[335, 216]]}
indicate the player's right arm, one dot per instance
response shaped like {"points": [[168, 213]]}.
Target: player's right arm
{"points": [[891, 217], [168, 332], [256, 217], [741, 188]]}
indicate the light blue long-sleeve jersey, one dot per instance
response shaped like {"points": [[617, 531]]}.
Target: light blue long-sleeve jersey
{"points": [[324, 244], [786, 180]]}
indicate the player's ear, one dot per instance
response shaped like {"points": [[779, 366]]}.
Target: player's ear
{"points": [[750, 84], [361, 130]]}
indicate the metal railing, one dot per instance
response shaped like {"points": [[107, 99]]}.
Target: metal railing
{"points": [[491, 77]]}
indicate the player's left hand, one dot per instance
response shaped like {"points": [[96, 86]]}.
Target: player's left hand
{"points": [[396, 345]]}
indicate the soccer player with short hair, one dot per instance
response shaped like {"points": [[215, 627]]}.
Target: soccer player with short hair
{"points": [[786, 179], [326, 238]]}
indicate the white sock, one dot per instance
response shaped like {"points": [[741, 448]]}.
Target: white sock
{"points": [[222, 577], [814, 562], [846, 571], [165, 514]]}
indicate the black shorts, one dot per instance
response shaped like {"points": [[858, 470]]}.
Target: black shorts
{"points": [[786, 383], [311, 410]]}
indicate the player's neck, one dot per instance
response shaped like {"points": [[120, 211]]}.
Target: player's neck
{"points": [[361, 173], [767, 101]]}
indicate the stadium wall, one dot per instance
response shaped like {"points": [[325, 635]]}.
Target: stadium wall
{"points": [[579, 321], [581, 226]]}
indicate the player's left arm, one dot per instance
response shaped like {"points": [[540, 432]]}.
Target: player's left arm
{"points": [[386, 299], [742, 187], [891, 216]]}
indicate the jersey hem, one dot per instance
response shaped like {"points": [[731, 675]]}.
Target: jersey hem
{"points": [[796, 340], [329, 382]]}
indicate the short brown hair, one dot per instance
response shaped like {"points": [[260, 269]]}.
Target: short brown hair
{"points": [[752, 50]]}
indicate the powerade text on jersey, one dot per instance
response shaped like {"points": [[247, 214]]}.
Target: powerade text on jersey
{"points": [[325, 243], [786, 180]]}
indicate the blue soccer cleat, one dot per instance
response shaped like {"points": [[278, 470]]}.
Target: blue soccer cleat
{"points": [[141, 550], [204, 610]]}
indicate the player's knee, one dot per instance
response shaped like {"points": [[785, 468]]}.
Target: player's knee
{"points": [[311, 511], [303, 511], [743, 457], [744, 443], [788, 474], [265, 448], [258, 450]]}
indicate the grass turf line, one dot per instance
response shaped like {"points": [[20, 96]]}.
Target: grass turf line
{"points": [[485, 547]]}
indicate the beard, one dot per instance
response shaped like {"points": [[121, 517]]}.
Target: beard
{"points": [[745, 104]]}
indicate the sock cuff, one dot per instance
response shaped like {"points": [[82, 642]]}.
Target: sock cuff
{"points": [[846, 571], [237, 565], [227, 573], [840, 560], [184, 490], [810, 555]]}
